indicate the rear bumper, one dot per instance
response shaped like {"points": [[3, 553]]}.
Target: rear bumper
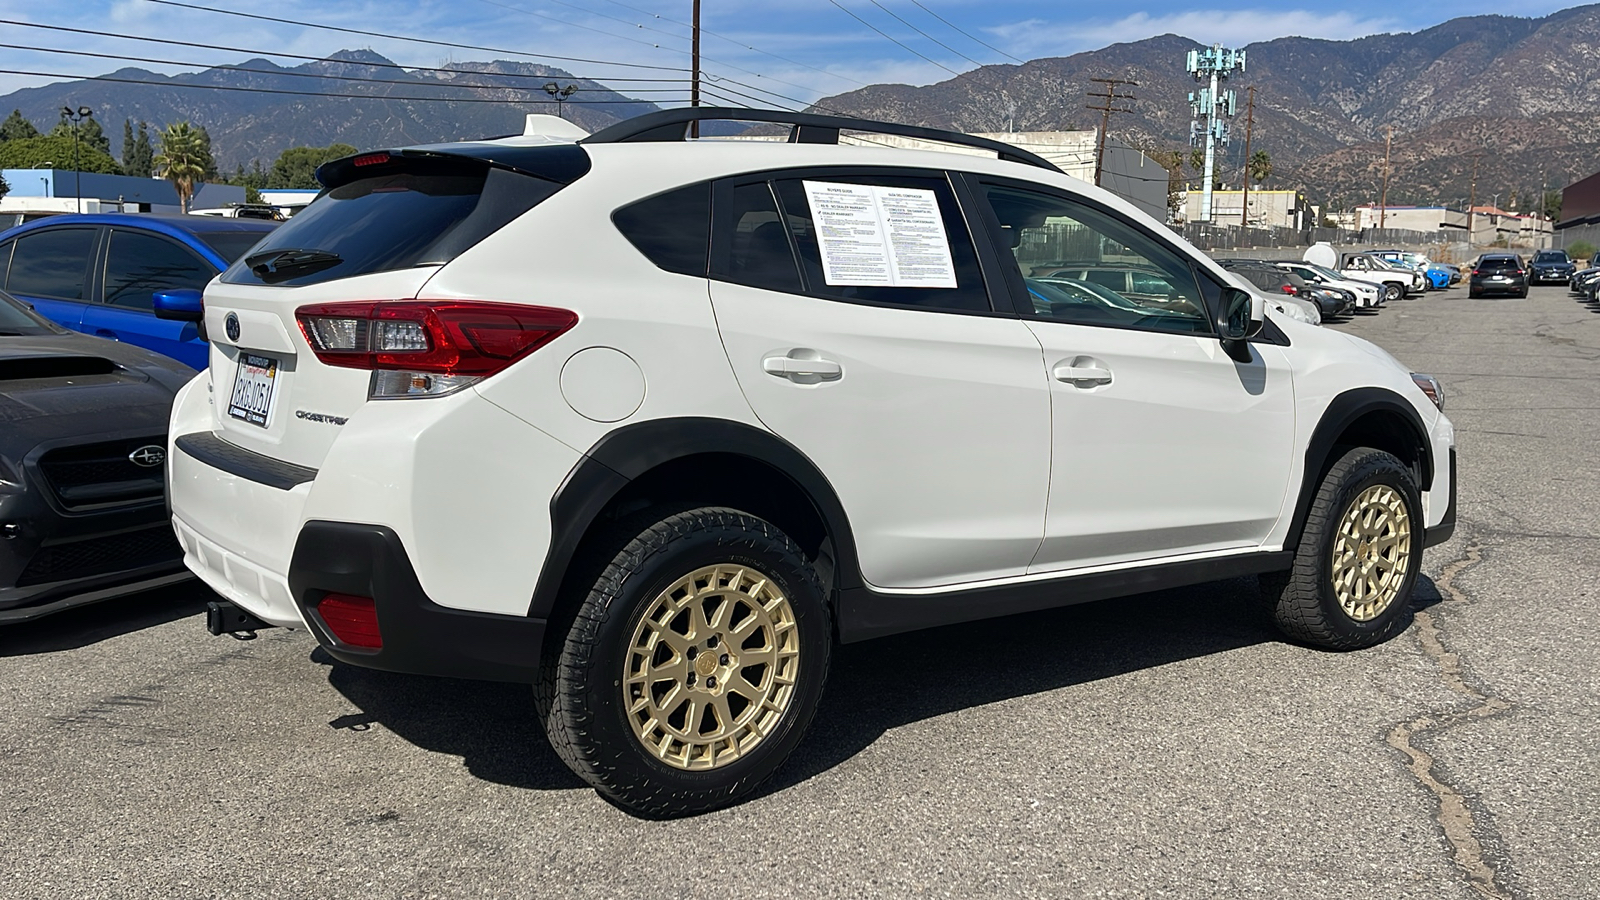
{"points": [[419, 636]]}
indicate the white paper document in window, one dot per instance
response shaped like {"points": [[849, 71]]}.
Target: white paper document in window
{"points": [[883, 236]]}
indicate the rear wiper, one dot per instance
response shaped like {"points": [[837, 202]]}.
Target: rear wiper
{"points": [[273, 266]]}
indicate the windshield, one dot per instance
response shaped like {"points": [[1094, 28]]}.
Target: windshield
{"points": [[18, 319], [1329, 274], [406, 213], [1551, 256]]}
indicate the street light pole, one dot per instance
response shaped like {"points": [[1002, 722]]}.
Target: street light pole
{"points": [[76, 116], [561, 93]]}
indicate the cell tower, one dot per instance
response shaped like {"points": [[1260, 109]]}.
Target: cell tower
{"points": [[1211, 108]]}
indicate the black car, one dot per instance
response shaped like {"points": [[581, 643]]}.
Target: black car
{"points": [[83, 424], [1552, 266], [1503, 273], [1331, 302]]}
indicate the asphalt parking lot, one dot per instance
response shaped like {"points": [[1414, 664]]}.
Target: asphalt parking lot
{"points": [[1164, 745]]}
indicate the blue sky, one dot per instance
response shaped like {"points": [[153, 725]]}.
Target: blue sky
{"points": [[797, 49]]}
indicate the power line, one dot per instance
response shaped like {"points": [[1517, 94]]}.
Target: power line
{"points": [[924, 33], [959, 31], [251, 90], [282, 55], [852, 15], [1111, 98], [290, 74], [401, 37], [708, 33]]}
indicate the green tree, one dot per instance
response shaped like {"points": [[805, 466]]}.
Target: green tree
{"points": [[182, 160], [15, 127], [90, 134], [208, 164], [296, 167], [1552, 205], [1259, 167], [56, 150], [4, 187], [1581, 250], [137, 154], [252, 181]]}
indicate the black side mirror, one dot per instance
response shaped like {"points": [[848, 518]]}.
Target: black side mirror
{"points": [[1236, 319]]}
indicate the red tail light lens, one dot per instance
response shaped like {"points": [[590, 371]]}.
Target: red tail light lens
{"points": [[442, 337], [353, 620], [1290, 289]]}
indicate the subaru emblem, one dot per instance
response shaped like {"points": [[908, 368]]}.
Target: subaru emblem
{"points": [[232, 325], [149, 456]]}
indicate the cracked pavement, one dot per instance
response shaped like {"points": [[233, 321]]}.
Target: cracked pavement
{"points": [[1168, 745]]}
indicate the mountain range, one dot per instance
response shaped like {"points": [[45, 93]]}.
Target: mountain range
{"points": [[1483, 105]]}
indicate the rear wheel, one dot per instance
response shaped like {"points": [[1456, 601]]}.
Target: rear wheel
{"points": [[1392, 292], [1358, 558], [694, 664]]}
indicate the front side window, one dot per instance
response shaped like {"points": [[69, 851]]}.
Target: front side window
{"points": [[51, 263], [138, 265], [1083, 265]]}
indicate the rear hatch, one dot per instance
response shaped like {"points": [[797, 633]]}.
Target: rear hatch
{"points": [[385, 225]]}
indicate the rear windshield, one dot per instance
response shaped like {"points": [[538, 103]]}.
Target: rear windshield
{"points": [[416, 212], [1498, 262], [230, 245]]}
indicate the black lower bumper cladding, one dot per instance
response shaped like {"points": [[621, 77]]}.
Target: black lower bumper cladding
{"points": [[420, 637]]}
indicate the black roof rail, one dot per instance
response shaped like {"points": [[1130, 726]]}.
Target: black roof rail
{"points": [[672, 125]]}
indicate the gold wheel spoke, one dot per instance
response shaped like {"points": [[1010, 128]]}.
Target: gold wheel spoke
{"points": [[1371, 552]]}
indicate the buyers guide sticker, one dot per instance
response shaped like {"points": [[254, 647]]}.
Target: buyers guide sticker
{"points": [[884, 236]]}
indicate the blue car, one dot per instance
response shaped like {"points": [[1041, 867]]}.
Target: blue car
{"points": [[98, 274]]}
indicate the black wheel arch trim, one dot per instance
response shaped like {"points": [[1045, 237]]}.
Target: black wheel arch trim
{"points": [[626, 453], [1339, 415]]}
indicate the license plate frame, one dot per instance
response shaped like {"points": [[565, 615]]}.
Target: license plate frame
{"points": [[255, 382]]}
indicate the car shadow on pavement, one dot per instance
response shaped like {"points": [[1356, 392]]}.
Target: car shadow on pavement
{"points": [[873, 686], [72, 629]]}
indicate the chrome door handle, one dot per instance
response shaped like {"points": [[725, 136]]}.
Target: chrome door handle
{"points": [[790, 367], [1076, 375]]}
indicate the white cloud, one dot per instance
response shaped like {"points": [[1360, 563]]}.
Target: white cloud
{"points": [[1233, 27]]}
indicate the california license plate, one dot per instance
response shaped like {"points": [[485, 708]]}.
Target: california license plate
{"points": [[252, 389]]}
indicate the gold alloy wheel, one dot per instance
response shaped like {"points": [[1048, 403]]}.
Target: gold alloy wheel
{"points": [[1372, 552], [712, 667]]}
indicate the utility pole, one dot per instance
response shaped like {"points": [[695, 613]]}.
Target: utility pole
{"points": [[1214, 64], [1472, 197], [1383, 200], [1110, 106], [1249, 126], [694, 84]]}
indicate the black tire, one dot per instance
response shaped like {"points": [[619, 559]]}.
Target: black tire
{"points": [[585, 713], [1392, 292], [1474, 293], [1304, 602]]}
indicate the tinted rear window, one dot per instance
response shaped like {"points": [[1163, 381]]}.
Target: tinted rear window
{"points": [[1498, 262], [51, 263], [230, 245], [420, 213]]}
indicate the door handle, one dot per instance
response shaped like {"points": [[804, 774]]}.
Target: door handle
{"points": [[791, 368], [1077, 375], [106, 333]]}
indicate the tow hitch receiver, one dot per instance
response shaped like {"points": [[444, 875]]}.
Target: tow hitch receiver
{"points": [[222, 617]]}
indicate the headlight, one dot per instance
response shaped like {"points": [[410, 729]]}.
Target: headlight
{"points": [[1430, 386]]}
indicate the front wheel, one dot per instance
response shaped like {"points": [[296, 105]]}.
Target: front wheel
{"points": [[1358, 558], [694, 665], [1392, 292]]}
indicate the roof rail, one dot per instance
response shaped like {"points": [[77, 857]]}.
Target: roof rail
{"points": [[672, 125]]}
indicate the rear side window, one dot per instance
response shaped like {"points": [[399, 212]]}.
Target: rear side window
{"points": [[138, 265], [407, 213], [759, 254], [672, 230], [51, 263]]}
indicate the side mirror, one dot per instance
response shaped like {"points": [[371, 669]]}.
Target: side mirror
{"points": [[181, 305], [1241, 315]]}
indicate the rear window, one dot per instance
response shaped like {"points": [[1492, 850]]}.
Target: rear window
{"points": [[1498, 262], [420, 212], [230, 245]]}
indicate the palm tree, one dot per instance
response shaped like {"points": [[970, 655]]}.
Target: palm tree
{"points": [[1260, 166], [181, 160]]}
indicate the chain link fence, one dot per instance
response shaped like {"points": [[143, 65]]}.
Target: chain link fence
{"points": [[1233, 237]]}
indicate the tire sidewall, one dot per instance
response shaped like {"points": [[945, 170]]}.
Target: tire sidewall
{"points": [[1378, 468], [774, 557]]}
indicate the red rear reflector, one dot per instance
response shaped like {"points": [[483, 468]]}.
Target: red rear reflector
{"points": [[353, 620], [371, 159]]}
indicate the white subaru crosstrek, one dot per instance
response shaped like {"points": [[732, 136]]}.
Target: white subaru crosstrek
{"points": [[651, 423]]}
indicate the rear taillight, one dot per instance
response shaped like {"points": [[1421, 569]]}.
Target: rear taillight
{"points": [[1476, 272], [1290, 289], [421, 348], [352, 620]]}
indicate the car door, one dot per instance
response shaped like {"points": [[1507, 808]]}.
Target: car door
{"points": [[50, 269], [1163, 443], [137, 265], [856, 313]]}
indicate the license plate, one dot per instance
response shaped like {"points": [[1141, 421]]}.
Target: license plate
{"points": [[252, 389]]}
